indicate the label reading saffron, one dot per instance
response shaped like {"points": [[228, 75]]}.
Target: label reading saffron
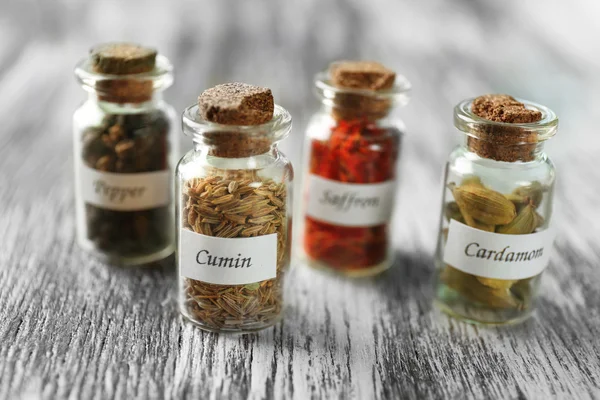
{"points": [[350, 204], [124, 192], [227, 261], [495, 255]]}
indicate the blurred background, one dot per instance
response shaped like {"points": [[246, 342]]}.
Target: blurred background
{"points": [[544, 51]]}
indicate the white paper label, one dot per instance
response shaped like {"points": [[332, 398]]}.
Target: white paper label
{"points": [[227, 261], [124, 192], [350, 204], [496, 255]]}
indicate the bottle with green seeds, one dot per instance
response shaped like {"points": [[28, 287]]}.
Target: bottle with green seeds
{"points": [[494, 241]]}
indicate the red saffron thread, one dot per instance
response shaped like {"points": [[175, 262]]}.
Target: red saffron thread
{"points": [[356, 152]]}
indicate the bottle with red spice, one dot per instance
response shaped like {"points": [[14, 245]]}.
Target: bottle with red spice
{"points": [[352, 148]]}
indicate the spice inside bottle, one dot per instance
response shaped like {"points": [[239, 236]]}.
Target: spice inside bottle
{"points": [[352, 148], [234, 210], [499, 184], [123, 146]]}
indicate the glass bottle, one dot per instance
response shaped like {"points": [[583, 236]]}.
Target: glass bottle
{"points": [[351, 150], [498, 184], [234, 223], [124, 158]]}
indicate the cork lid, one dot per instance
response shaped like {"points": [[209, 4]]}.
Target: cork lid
{"points": [[122, 58], [236, 120], [365, 90], [368, 75], [503, 128], [124, 72], [504, 108], [237, 104]]}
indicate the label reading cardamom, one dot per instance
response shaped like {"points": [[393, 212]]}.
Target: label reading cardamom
{"points": [[496, 255], [350, 204], [124, 192], [227, 261]]}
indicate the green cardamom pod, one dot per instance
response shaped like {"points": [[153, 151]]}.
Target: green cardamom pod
{"points": [[496, 283], [539, 219], [525, 222], [468, 286], [453, 212], [481, 226], [518, 200], [484, 205], [534, 193], [471, 180], [523, 289]]}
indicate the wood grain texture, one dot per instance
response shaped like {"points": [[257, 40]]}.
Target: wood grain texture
{"points": [[74, 328]]}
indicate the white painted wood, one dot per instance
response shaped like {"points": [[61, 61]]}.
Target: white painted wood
{"points": [[71, 327]]}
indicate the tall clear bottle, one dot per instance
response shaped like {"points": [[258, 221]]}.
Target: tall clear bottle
{"points": [[124, 155], [234, 220], [494, 242], [352, 145]]}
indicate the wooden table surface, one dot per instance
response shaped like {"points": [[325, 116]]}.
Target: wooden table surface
{"points": [[72, 327]]}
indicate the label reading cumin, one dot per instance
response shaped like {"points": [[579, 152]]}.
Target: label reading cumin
{"points": [[495, 255], [350, 204], [227, 261]]}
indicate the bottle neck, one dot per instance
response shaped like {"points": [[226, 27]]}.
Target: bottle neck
{"points": [[353, 107], [236, 141], [126, 105], [523, 152], [233, 144], [505, 141], [124, 91]]}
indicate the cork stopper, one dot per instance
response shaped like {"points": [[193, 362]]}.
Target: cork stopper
{"points": [[503, 142], [123, 59], [367, 76], [235, 144], [504, 108], [237, 104]]}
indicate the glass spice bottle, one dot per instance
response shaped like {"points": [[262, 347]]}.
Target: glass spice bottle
{"points": [[494, 241], [123, 145], [234, 210], [351, 151]]}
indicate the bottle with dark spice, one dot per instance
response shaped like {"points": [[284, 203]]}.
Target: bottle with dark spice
{"points": [[352, 148], [494, 241], [124, 155], [234, 210]]}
